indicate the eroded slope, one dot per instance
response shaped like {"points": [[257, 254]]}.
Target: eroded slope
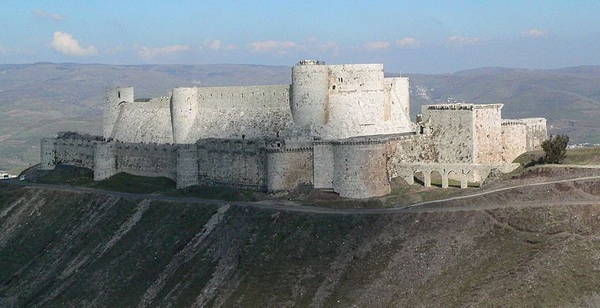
{"points": [[84, 249]]}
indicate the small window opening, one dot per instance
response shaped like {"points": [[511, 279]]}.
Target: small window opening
{"points": [[333, 87], [278, 144], [243, 137], [119, 94]]}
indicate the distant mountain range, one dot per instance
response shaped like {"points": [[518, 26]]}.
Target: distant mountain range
{"points": [[37, 100]]}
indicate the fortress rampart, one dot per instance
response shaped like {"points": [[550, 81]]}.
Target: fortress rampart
{"points": [[343, 128]]}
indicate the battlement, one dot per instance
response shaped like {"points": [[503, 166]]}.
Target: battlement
{"points": [[462, 106], [310, 62], [67, 135], [240, 96], [513, 122]]}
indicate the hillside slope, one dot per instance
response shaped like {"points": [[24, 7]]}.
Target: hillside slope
{"points": [[85, 249]]}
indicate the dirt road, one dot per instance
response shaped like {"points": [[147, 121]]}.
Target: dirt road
{"points": [[290, 206]]}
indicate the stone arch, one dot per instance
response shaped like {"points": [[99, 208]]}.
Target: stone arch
{"points": [[456, 175], [437, 176], [419, 179], [409, 176]]}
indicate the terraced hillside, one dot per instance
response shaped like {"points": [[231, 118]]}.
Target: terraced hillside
{"points": [[81, 249]]}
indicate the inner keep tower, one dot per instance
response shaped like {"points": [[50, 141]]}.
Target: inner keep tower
{"points": [[343, 101]]}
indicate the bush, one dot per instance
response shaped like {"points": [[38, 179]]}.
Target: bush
{"points": [[555, 148]]}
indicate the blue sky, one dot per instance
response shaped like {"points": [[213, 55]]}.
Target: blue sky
{"points": [[407, 36]]}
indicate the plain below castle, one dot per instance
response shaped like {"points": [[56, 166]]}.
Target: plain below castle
{"points": [[344, 128]]}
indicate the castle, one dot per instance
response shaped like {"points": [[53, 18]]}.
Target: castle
{"points": [[344, 128]]}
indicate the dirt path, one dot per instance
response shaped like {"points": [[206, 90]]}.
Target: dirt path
{"points": [[428, 206]]}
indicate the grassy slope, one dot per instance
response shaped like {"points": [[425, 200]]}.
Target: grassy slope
{"points": [[122, 182], [56, 250], [580, 156]]}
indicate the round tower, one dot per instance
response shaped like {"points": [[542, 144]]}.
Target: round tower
{"points": [[111, 108], [309, 99], [184, 108]]}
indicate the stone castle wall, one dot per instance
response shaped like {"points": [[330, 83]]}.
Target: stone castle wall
{"points": [[360, 169], [536, 133], [289, 164], [514, 139], [344, 128], [487, 133], [144, 122], [146, 159], [241, 112], [76, 152], [237, 163], [450, 128]]}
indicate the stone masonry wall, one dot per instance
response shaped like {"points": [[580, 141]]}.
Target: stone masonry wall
{"points": [[514, 139], [241, 112], [105, 161], [236, 163], [536, 132], [342, 101], [487, 133], [323, 165], [360, 169], [77, 152], [450, 128], [48, 154], [144, 122], [287, 169], [187, 165], [147, 159]]}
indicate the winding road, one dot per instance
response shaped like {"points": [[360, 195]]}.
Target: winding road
{"points": [[290, 206]]}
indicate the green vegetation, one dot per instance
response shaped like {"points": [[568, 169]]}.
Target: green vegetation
{"points": [[579, 156], [121, 182], [555, 149], [124, 182], [64, 175]]}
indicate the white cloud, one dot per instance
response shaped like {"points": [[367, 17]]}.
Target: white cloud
{"points": [[218, 45], [46, 14], [272, 46], [534, 33], [377, 45], [214, 45], [68, 45], [463, 40], [408, 42], [152, 52], [328, 46]]}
